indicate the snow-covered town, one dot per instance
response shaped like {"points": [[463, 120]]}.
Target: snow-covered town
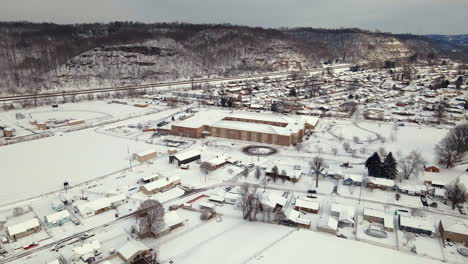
{"points": [[367, 163]]}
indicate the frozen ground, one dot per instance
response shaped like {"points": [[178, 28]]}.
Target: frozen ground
{"points": [[308, 246]]}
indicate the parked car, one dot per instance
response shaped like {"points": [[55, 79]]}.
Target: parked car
{"points": [[184, 166], [86, 235], [311, 196], [76, 221], [56, 247], [32, 245], [312, 191]]}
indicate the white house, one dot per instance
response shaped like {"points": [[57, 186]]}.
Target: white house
{"points": [[58, 218], [23, 229], [133, 251]]}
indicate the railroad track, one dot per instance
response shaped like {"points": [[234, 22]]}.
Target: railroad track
{"points": [[134, 87]]}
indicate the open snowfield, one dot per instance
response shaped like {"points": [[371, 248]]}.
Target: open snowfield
{"points": [[43, 165], [305, 246]]}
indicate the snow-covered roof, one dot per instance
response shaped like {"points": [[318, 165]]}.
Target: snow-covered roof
{"points": [[308, 204], [296, 217], [187, 154], [218, 161], [382, 182], [221, 119], [216, 198], [455, 225], [161, 183], [339, 208], [132, 248], [330, 223], [374, 213], [87, 248], [100, 203], [354, 177], [55, 217], [171, 219], [146, 152], [272, 199], [417, 223], [22, 227]]}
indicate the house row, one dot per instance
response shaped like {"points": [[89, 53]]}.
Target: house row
{"points": [[101, 205]]}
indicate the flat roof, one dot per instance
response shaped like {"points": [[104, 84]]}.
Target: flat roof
{"points": [[187, 154], [57, 216], [161, 183], [22, 227], [314, 205], [417, 223], [131, 248]]}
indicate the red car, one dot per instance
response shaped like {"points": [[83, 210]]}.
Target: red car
{"points": [[30, 246], [184, 167]]}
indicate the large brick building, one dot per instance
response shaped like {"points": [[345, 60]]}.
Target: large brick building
{"points": [[257, 127]]}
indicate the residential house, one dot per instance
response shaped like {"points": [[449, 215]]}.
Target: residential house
{"points": [[296, 218], [381, 183], [58, 218], [307, 205], [417, 225], [101, 205], [160, 185], [352, 179], [328, 225], [454, 230], [23, 229], [133, 251]]}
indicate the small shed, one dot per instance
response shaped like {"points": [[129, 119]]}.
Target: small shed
{"points": [[185, 157], [432, 169], [145, 155]]}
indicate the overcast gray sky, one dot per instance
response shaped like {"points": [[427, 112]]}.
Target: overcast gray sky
{"points": [[398, 16]]}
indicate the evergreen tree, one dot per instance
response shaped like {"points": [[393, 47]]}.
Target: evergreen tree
{"points": [[374, 165], [389, 167]]}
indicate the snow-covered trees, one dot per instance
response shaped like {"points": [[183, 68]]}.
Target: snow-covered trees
{"points": [[411, 164], [249, 201], [374, 165], [389, 167], [150, 218], [386, 169], [455, 193], [274, 173], [450, 149], [258, 173]]}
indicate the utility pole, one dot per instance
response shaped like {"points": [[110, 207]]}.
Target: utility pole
{"points": [[129, 158]]}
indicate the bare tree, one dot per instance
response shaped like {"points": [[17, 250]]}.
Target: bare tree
{"points": [[258, 173], [356, 139], [411, 164], [346, 146], [274, 173], [245, 172], [446, 153], [334, 150], [317, 165], [150, 218], [455, 193], [17, 211], [205, 167], [382, 152], [248, 201]]}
